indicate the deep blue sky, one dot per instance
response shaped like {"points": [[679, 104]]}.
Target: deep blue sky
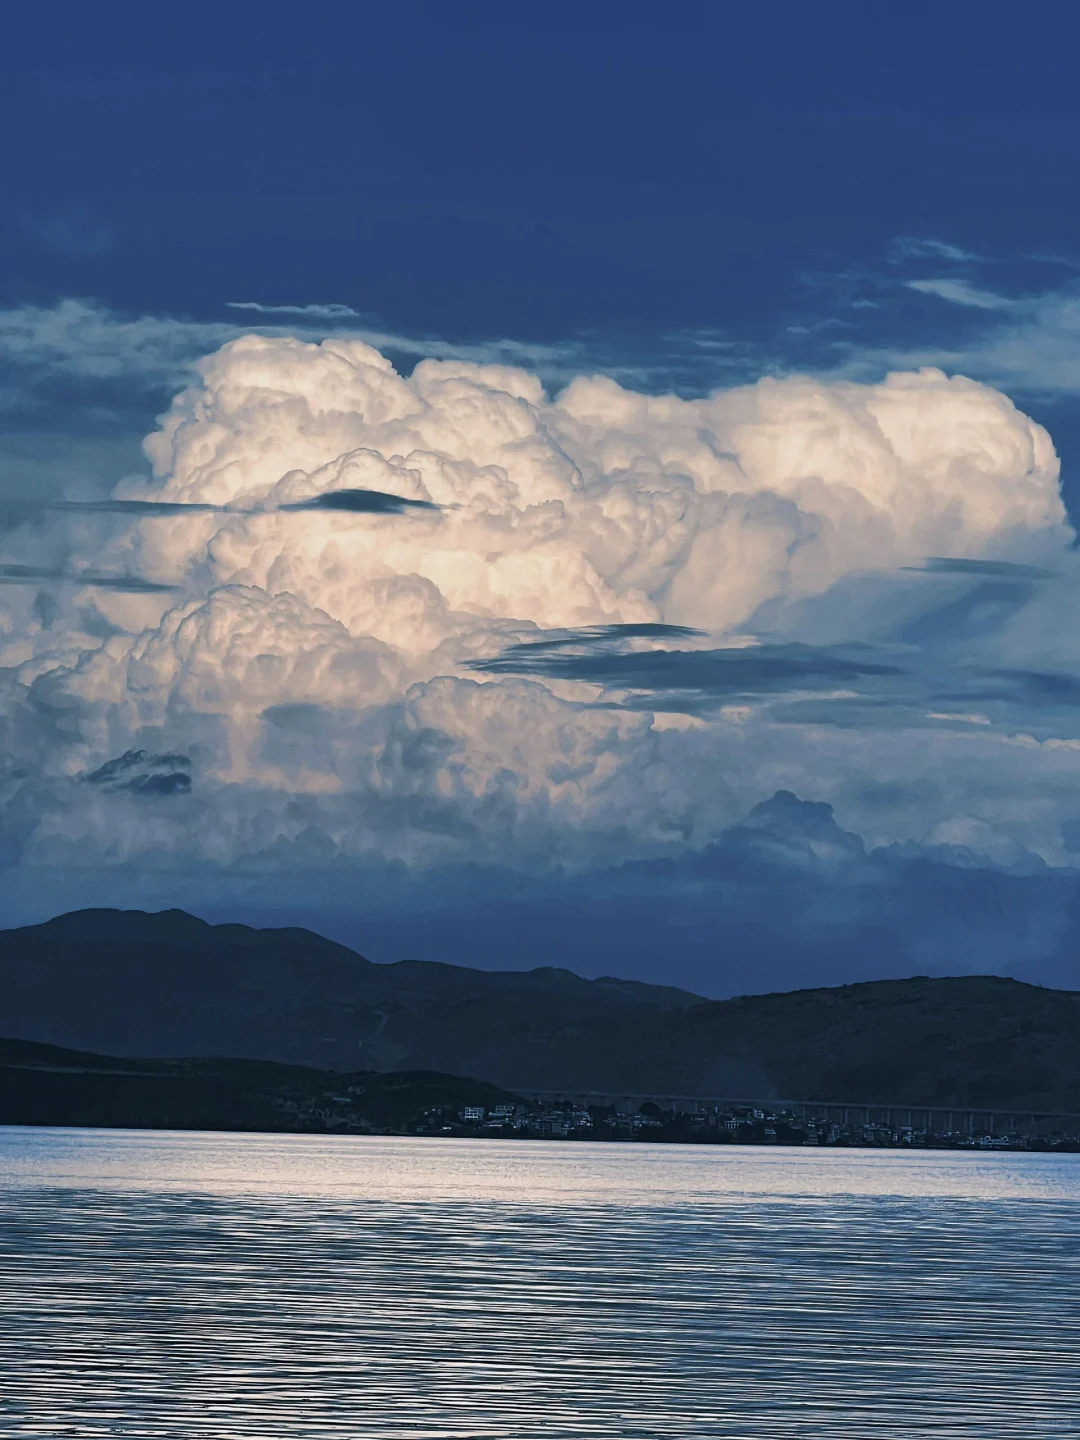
{"points": [[486, 169]]}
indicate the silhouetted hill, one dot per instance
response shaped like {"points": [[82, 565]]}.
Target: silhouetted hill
{"points": [[48, 1085], [130, 984], [122, 982], [970, 1040]]}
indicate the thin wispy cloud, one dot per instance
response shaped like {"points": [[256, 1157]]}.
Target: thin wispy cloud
{"points": [[960, 292], [1013, 333], [1028, 350], [308, 312], [921, 247], [86, 341], [83, 340]]}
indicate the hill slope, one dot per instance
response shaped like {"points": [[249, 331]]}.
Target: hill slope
{"points": [[971, 1040], [126, 983], [47, 1085]]}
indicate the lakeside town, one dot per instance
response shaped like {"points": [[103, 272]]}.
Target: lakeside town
{"points": [[46, 1085], [706, 1124]]}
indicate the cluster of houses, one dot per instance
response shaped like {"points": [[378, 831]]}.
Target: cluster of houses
{"points": [[587, 1117], [745, 1125]]}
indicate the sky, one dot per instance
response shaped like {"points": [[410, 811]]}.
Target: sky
{"points": [[593, 487]]}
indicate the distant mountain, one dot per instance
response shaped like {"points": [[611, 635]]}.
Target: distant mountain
{"points": [[130, 984], [122, 982]]}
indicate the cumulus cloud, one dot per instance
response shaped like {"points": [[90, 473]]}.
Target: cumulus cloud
{"points": [[457, 618]]}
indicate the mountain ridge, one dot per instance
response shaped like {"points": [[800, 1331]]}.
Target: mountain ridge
{"points": [[129, 983]]}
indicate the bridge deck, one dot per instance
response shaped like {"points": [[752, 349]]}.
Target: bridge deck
{"points": [[967, 1118]]}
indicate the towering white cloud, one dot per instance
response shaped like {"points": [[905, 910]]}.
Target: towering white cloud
{"points": [[325, 660]]}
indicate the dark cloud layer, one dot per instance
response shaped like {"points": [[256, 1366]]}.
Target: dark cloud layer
{"points": [[143, 773], [592, 635], [997, 569], [139, 509], [699, 676], [353, 502], [1032, 689], [361, 502], [874, 690], [49, 574]]}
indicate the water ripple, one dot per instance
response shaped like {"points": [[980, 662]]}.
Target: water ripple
{"points": [[279, 1305]]}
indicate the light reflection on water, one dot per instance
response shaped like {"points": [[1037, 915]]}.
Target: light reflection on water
{"points": [[160, 1285]]}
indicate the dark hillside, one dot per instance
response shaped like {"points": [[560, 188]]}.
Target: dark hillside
{"points": [[122, 982], [973, 1040], [47, 1085], [129, 984]]}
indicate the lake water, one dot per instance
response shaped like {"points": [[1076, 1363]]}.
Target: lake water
{"points": [[179, 1285]]}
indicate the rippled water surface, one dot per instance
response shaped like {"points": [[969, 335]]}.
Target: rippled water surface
{"points": [[168, 1285]]}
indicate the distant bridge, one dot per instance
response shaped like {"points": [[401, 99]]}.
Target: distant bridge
{"points": [[943, 1119]]}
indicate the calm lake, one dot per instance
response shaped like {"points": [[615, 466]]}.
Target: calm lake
{"points": [[192, 1285]]}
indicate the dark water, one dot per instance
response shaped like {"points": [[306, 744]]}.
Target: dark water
{"points": [[239, 1286]]}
